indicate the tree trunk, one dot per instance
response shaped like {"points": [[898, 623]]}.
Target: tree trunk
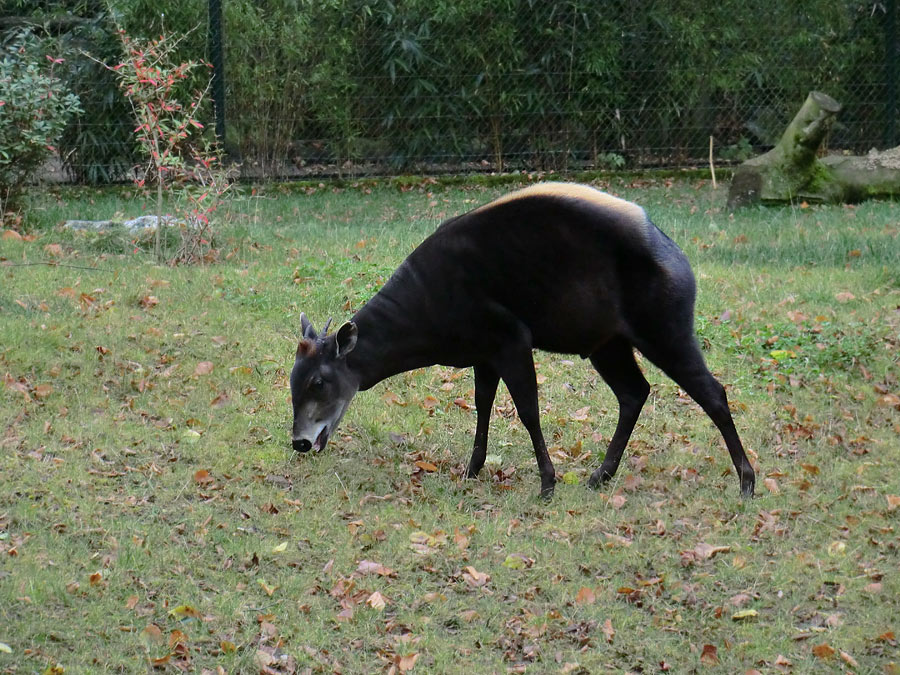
{"points": [[791, 171]]}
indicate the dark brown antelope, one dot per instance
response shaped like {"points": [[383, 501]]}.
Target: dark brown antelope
{"points": [[559, 267]]}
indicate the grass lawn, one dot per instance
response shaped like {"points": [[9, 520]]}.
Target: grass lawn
{"points": [[153, 516]]}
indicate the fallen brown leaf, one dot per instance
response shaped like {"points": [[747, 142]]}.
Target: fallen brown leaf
{"points": [[407, 662], [176, 637], [161, 661], [370, 567], [823, 651], [849, 660], [706, 551], [203, 368], [390, 398], [220, 400], [376, 601], [475, 578], [585, 596], [609, 631], [889, 401], [152, 634], [581, 414], [203, 477], [42, 391], [709, 656], [617, 501]]}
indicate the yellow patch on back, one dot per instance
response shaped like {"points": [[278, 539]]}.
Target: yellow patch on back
{"points": [[586, 193]]}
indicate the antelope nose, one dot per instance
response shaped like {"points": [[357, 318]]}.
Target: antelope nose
{"points": [[302, 445]]}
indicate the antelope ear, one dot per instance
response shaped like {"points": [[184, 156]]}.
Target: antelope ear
{"points": [[345, 339], [305, 348], [306, 327]]}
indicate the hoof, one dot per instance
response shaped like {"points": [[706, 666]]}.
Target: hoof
{"points": [[598, 478], [547, 488], [748, 484]]}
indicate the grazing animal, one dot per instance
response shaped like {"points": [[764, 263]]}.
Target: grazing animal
{"points": [[555, 266]]}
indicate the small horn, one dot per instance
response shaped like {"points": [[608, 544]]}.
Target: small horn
{"points": [[325, 327], [306, 327]]}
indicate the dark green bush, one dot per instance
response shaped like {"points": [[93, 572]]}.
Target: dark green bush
{"points": [[379, 85], [98, 146], [35, 106]]}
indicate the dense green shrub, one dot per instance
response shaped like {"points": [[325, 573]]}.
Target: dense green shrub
{"points": [[364, 85], [34, 108], [98, 146], [540, 85]]}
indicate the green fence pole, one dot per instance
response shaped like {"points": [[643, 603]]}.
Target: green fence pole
{"points": [[890, 73], [217, 59]]}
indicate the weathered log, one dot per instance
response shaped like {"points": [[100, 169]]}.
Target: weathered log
{"points": [[873, 176], [791, 171]]}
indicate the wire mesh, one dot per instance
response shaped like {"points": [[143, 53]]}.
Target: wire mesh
{"points": [[367, 87], [500, 86]]}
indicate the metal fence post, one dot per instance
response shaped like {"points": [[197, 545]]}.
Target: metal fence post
{"points": [[890, 73], [217, 59]]}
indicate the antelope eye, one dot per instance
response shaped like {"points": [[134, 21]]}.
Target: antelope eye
{"points": [[317, 383]]}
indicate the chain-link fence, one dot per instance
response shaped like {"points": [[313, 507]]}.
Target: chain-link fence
{"points": [[363, 87]]}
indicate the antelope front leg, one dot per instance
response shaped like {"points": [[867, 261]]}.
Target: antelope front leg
{"points": [[486, 380]]}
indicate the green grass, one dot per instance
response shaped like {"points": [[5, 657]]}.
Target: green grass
{"points": [[151, 509]]}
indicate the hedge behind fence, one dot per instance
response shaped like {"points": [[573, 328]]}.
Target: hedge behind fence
{"points": [[374, 86]]}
